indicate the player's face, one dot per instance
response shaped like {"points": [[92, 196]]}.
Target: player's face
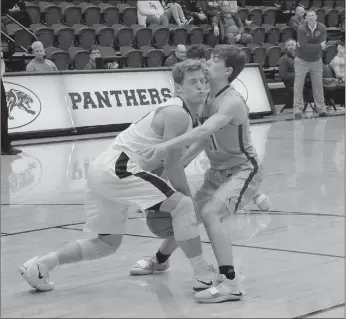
{"points": [[193, 87], [216, 69]]}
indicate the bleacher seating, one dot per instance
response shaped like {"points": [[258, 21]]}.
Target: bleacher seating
{"points": [[75, 26]]}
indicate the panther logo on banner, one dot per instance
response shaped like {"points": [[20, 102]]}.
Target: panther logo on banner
{"points": [[24, 106]]}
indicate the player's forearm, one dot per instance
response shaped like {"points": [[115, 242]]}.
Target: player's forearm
{"points": [[187, 139], [3, 67], [177, 177], [192, 153]]}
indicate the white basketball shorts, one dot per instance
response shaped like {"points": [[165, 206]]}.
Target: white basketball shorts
{"points": [[116, 184]]}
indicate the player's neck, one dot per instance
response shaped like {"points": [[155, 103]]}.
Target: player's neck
{"points": [[216, 87], [191, 107]]}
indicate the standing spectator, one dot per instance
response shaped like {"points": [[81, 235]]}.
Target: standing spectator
{"points": [[338, 63], [174, 10], [192, 10], [178, 55], [287, 72], [311, 41], [298, 19], [231, 27], [149, 12], [6, 146], [40, 63]]}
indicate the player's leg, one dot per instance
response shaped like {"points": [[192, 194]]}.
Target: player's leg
{"points": [[235, 192], [105, 218], [159, 261], [154, 190]]}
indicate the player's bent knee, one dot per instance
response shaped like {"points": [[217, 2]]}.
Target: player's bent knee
{"points": [[113, 240], [184, 220]]}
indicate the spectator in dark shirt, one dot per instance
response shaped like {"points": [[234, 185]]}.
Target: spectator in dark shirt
{"points": [[17, 10], [178, 55], [298, 19], [311, 41], [192, 10], [94, 53], [231, 27]]}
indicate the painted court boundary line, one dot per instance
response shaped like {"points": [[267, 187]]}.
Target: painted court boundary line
{"points": [[317, 312]]}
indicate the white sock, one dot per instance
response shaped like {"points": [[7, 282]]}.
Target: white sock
{"points": [[51, 260], [200, 266]]}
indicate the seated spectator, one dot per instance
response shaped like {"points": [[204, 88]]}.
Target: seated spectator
{"points": [[192, 10], [231, 27], [298, 19], [17, 10], [338, 63], [40, 63], [196, 52], [174, 10], [212, 10], [94, 53], [149, 12], [178, 55]]}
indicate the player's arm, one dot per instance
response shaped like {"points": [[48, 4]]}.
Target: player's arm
{"points": [[336, 68], [228, 110], [176, 123], [192, 152]]}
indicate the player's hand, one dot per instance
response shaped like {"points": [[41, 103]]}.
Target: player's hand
{"points": [[155, 151]]}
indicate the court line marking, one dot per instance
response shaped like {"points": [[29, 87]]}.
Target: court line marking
{"points": [[317, 312], [303, 139], [252, 211], [235, 245]]}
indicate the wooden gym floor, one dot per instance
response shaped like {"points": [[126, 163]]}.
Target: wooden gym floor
{"points": [[292, 258]]}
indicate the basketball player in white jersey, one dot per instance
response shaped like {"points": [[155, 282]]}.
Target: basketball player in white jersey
{"points": [[234, 175], [120, 178]]}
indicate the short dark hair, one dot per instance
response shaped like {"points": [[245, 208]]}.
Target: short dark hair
{"points": [[197, 52], [94, 48], [233, 56], [311, 10]]}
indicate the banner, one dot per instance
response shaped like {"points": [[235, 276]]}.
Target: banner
{"points": [[66, 100]]}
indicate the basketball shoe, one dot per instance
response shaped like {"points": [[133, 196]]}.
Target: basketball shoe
{"points": [[262, 201], [36, 274], [148, 266], [224, 290]]}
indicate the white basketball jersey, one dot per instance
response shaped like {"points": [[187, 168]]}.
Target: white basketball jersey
{"points": [[140, 134]]}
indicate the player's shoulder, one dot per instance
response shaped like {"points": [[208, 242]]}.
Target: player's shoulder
{"points": [[175, 112]]}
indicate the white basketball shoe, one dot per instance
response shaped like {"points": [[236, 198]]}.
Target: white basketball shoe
{"points": [[148, 266], [225, 290], [36, 274], [262, 201]]}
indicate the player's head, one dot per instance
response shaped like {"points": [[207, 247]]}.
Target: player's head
{"points": [[94, 53], [226, 63], [38, 50], [300, 11], [196, 52], [311, 16], [189, 81]]}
